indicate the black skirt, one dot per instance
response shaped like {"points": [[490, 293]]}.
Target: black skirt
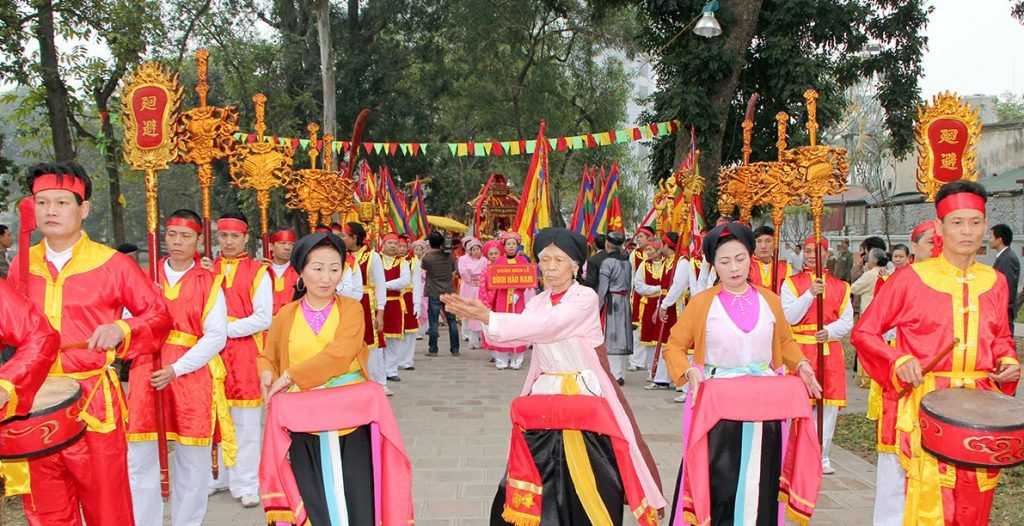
{"points": [[725, 455], [356, 470], [561, 506]]}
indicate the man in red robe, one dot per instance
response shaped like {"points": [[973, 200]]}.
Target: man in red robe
{"points": [[799, 294], [947, 300], [281, 272], [397, 277], [249, 295], [83, 288], [35, 346], [371, 273], [764, 255], [189, 375]]}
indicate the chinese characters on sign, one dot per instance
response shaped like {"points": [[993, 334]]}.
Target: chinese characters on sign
{"points": [[946, 139], [149, 108], [947, 134]]}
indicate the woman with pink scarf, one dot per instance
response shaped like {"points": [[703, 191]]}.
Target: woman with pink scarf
{"points": [[508, 300], [492, 251], [576, 456], [471, 266]]}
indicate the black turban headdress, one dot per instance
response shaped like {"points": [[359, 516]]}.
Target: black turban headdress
{"points": [[727, 232], [570, 242]]}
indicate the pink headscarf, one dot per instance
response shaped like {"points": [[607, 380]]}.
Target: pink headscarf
{"points": [[495, 244], [470, 242]]}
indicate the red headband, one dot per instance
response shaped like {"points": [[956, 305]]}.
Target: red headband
{"points": [[810, 241], [920, 230], [347, 230], [646, 230], [959, 201], [230, 224], [184, 222], [283, 235], [667, 241], [67, 182], [389, 237]]}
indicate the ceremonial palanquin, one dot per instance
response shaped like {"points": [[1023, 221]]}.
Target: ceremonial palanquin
{"points": [[494, 207]]}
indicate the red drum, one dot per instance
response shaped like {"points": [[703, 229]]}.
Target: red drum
{"points": [[51, 425], [973, 428]]}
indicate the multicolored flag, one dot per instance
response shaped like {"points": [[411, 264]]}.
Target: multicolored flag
{"points": [[534, 210], [583, 212], [395, 205], [419, 228], [366, 189], [695, 208], [608, 211]]}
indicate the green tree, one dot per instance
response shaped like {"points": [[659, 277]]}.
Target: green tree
{"points": [[777, 49], [1010, 108]]}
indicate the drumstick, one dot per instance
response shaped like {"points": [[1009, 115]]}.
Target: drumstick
{"points": [[932, 365], [76, 345]]}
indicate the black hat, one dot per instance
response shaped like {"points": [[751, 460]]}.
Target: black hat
{"points": [[570, 242]]}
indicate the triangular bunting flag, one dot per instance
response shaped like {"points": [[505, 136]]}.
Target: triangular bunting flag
{"points": [[378, 147], [423, 147], [673, 125], [453, 148], [463, 149], [514, 148], [304, 144], [591, 142], [478, 149], [487, 147], [239, 137], [392, 148], [654, 129], [531, 145], [251, 138], [636, 134], [623, 135], [604, 138], [575, 142], [496, 149], [368, 146]]}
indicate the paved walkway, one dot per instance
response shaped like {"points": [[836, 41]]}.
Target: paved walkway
{"points": [[453, 413]]}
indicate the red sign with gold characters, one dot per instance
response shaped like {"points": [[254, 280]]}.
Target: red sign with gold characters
{"points": [[947, 135], [515, 276], [149, 107], [151, 96]]}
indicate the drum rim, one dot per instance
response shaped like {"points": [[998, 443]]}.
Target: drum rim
{"points": [[971, 465], [976, 427], [64, 404], [50, 450]]}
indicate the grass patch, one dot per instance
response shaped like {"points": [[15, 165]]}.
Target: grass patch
{"points": [[856, 434]]}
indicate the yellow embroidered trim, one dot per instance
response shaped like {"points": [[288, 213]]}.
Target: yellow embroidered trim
{"points": [[245, 403], [220, 412], [188, 441], [16, 477], [525, 486], [12, 398]]}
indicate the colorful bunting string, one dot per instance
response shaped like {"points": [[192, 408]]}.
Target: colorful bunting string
{"points": [[488, 148]]}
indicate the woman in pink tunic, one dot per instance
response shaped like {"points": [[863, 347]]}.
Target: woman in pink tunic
{"points": [[576, 456], [508, 300], [492, 251], [471, 268]]}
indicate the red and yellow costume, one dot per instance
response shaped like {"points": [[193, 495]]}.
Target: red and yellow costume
{"points": [[241, 277], [761, 274], [655, 274], [372, 338], [397, 309], [929, 304], [636, 260], [284, 285], [194, 404], [836, 299], [35, 349], [93, 288]]}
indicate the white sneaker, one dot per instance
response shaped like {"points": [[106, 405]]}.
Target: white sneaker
{"points": [[215, 490], [388, 391], [827, 469], [633, 368], [681, 399], [250, 501], [517, 363], [501, 365]]}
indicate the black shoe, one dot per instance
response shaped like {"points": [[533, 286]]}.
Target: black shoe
{"points": [[410, 368], [620, 381], [394, 379], [490, 360]]}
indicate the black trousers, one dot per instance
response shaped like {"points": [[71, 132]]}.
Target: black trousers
{"points": [[725, 452], [356, 470], [561, 506]]}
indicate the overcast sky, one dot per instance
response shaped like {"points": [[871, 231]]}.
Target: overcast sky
{"points": [[972, 48]]}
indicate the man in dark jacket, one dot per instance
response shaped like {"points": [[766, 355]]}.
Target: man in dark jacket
{"points": [[1006, 262], [590, 278]]}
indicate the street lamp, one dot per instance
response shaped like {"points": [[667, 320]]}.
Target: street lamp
{"points": [[707, 26]]}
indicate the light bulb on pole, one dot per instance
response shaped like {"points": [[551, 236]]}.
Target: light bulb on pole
{"points": [[708, 26]]}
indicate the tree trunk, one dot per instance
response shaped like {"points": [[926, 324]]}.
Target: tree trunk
{"points": [[737, 35], [323, 30], [56, 92], [112, 158]]}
